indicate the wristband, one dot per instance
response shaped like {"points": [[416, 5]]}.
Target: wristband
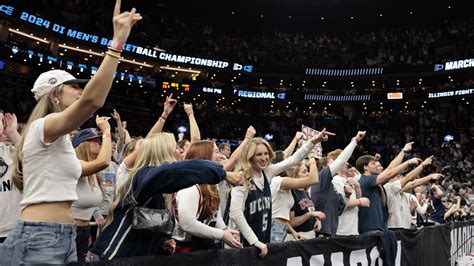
{"points": [[164, 118], [405, 151], [190, 113], [113, 55], [116, 46]]}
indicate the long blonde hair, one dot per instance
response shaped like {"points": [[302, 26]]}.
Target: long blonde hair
{"points": [[45, 106], [154, 151], [245, 160], [84, 153]]}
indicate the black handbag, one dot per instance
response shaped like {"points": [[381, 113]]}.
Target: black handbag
{"points": [[156, 220]]}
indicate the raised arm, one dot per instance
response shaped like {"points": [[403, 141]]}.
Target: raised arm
{"points": [[168, 107], [193, 126], [10, 128], [121, 131], [398, 160], [291, 148], [416, 172], [299, 155], [346, 153], [105, 153], [297, 183], [421, 181], [438, 193], [172, 177], [96, 90], [387, 174], [229, 164]]}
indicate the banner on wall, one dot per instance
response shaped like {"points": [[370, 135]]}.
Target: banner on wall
{"points": [[442, 245]]}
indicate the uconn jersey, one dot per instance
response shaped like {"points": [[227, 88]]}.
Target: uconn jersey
{"points": [[258, 211]]}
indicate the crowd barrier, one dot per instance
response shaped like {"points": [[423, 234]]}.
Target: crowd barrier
{"points": [[429, 246]]}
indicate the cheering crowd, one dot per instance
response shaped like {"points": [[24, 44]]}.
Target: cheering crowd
{"points": [[155, 195]]}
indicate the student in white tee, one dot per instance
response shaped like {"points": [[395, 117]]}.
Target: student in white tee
{"points": [[346, 184], [10, 196], [282, 198], [46, 168]]}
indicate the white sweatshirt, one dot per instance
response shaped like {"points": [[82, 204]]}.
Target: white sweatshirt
{"points": [[187, 203]]}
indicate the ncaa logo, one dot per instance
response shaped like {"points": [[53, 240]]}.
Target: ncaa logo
{"points": [[438, 67]]}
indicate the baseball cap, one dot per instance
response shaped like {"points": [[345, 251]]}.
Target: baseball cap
{"points": [[84, 135], [50, 79]]}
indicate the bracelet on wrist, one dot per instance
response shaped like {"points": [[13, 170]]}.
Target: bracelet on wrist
{"points": [[116, 46], [162, 117], [109, 53]]}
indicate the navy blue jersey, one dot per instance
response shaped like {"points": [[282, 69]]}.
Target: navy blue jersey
{"points": [[258, 211], [303, 204]]}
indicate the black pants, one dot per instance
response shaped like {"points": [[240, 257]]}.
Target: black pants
{"points": [[82, 243], [2, 239]]}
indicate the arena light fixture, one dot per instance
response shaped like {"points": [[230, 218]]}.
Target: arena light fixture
{"points": [[181, 70], [28, 35]]}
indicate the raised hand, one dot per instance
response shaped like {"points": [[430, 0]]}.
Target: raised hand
{"points": [[170, 103], [102, 123], [299, 135], [408, 147], [322, 136], [436, 176], [377, 157], [10, 124], [250, 132], [427, 161], [123, 22], [188, 108], [116, 116], [360, 135], [414, 161]]}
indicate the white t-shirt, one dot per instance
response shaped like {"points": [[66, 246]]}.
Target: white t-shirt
{"points": [[10, 196], [282, 200], [349, 219], [50, 170], [122, 175], [89, 196], [399, 215]]}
